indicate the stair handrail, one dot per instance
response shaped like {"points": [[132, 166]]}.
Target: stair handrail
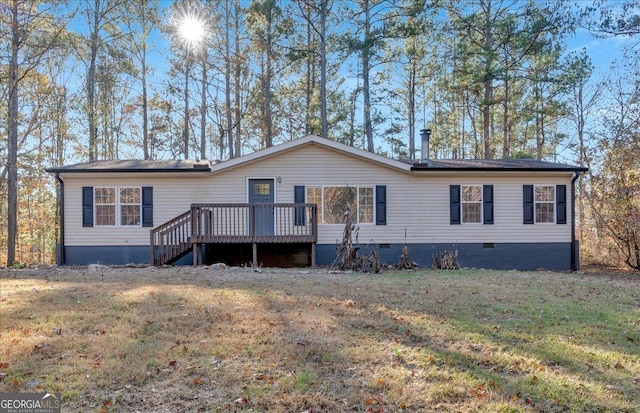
{"points": [[171, 238]]}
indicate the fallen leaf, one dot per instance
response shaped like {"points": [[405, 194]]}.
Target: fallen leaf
{"points": [[4, 365], [42, 347], [173, 362], [479, 391], [107, 403], [618, 366], [528, 400], [196, 381], [241, 401]]}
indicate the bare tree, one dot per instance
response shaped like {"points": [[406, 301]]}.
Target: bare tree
{"points": [[32, 34]]}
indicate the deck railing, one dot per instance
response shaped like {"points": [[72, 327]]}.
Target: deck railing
{"points": [[233, 223], [254, 223]]}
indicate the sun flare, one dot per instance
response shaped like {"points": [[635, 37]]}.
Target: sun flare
{"points": [[192, 30]]}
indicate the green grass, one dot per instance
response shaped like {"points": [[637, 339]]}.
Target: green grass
{"points": [[197, 339]]}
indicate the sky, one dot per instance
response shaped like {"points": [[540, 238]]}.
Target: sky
{"points": [[602, 51]]}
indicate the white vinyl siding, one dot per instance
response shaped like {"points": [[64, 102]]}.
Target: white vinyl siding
{"points": [[417, 202], [172, 195]]}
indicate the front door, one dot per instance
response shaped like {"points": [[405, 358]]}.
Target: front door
{"points": [[261, 192]]}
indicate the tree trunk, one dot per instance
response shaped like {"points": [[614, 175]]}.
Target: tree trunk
{"points": [[368, 128], [227, 79], [237, 85], [308, 90], [506, 139], [412, 109], [145, 105], [488, 83], [185, 128], [12, 156], [268, 142], [203, 108], [91, 84], [323, 69]]}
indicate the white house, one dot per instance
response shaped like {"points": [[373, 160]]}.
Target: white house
{"points": [[291, 198]]}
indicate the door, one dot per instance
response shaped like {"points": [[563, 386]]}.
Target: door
{"points": [[261, 192]]}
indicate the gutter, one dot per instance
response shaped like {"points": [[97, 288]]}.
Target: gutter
{"points": [[424, 167], [119, 170], [60, 258], [575, 265]]}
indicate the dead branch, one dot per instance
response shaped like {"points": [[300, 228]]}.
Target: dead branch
{"points": [[405, 262], [347, 255], [447, 260]]}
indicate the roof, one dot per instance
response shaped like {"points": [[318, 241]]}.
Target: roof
{"points": [[312, 140], [406, 166], [136, 166], [494, 165]]}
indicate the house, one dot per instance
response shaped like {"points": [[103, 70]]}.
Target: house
{"points": [[291, 198]]}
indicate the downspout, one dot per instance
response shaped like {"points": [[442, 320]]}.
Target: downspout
{"points": [[574, 257], [60, 258]]}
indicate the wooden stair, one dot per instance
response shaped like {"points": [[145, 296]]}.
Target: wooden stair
{"points": [[171, 240], [206, 224]]}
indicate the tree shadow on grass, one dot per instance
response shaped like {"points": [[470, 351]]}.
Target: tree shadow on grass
{"points": [[200, 341]]}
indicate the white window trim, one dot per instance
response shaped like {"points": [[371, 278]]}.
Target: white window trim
{"points": [[535, 202], [117, 206], [462, 202], [357, 214]]}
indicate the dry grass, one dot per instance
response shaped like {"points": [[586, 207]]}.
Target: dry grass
{"points": [[200, 339]]}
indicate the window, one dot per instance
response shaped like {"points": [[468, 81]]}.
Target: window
{"points": [[365, 205], [118, 206], [129, 206], [105, 199], [545, 203], [471, 204], [333, 201], [262, 189], [314, 196]]}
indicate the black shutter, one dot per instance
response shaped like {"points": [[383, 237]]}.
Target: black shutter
{"points": [[381, 205], [454, 204], [87, 206], [487, 204], [147, 206], [298, 198], [527, 204], [561, 204]]}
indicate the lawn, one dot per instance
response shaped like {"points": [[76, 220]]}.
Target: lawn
{"points": [[208, 339]]}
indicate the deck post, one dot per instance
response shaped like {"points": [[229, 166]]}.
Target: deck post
{"points": [[313, 255], [151, 248], [255, 255]]}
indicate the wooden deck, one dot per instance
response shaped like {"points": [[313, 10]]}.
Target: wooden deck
{"points": [[241, 223]]}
